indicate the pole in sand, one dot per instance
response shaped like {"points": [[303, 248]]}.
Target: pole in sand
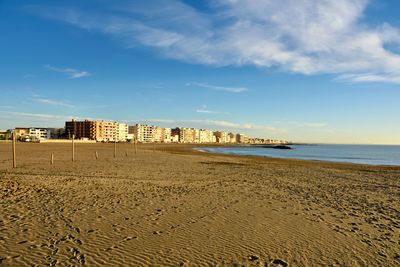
{"points": [[135, 146], [52, 159], [14, 150], [115, 148], [154, 146], [73, 147], [96, 155]]}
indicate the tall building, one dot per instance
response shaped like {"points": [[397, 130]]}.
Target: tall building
{"points": [[232, 138], [242, 139], [105, 131], [101, 131], [186, 135], [222, 137], [121, 132], [81, 129], [166, 135], [206, 136], [143, 133]]}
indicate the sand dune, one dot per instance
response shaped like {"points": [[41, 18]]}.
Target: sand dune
{"points": [[175, 207]]}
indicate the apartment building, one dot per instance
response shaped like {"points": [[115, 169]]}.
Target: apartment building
{"points": [[143, 133], [166, 135], [39, 133], [101, 131], [81, 129], [222, 137], [206, 136], [32, 134], [105, 131], [231, 138], [121, 132], [242, 139], [186, 135]]}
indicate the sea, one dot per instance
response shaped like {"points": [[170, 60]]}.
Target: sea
{"points": [[361, 154]]}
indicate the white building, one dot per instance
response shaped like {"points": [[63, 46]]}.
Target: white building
{"points": [[158, 134], [167, 135], [121, 132], [39, 133], [205, 136]]}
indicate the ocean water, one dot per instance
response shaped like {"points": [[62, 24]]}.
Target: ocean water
{"points": [[363, 154]]}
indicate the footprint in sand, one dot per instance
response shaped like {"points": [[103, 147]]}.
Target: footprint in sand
{"points": [[279, 262]]}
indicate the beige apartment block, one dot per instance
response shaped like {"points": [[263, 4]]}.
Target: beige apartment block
{"points": [[242, 139], [101, 131], [222, 137], [105, 131], [21, 133], [206, 136], [232, 138], [166, 135], [143, 133]]}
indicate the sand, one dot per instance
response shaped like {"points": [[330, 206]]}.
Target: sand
{"points": [[176, 207]]}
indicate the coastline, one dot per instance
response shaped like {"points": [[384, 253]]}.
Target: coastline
{"points": [[178, 206], [315, 159]]}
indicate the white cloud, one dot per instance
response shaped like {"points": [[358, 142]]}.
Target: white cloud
{"points": [[71, 73], [52, 102], [37, 116], [303, 124], [299, 36], [205, 110], [218, 88]]}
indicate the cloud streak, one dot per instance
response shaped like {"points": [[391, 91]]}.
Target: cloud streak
{"points": [[327, 37], [52, 102], [219, 88], [205, 110], [37, 116], [71, 73]]}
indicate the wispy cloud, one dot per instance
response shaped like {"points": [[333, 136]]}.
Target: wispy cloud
{"points": [[37, 116], [8, 107], [205, 110], [329, 36], [71, 73], [303, 124], [51, 102], [218, 88]]}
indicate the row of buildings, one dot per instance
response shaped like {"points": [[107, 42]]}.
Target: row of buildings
{"points": [[109, 131]]}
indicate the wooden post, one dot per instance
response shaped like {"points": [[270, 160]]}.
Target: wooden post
{"points": [[126, 153], [96, 155], [73, 147], [14, 150], [135, 146], [115, 148], [52, 159], [154, 147]]}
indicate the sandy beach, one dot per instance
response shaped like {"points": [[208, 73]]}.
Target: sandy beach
{"points": [[178, 207]]}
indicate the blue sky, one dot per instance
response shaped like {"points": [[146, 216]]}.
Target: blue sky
{"points": [[325, 71]]}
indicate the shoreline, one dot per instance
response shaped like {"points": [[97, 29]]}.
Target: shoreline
{"points": [[204, 150]]}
